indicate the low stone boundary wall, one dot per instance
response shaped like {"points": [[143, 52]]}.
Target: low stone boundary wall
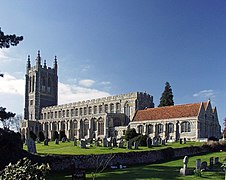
{"points": [[71, 162]]}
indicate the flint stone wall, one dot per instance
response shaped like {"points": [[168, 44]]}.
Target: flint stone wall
{"points": [[71, 162]]}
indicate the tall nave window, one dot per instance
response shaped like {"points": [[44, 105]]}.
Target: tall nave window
{"points": [[185, 126]]}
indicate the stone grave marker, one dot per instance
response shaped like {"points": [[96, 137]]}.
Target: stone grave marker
{"points": [[31, 146], [184, 170], [216, 160], [129, 144], [38, 140], [83, 144], [149, 142], [203, 165], [121, 143], [136, 145], [198, 164], [163, 142], [114, 141], [46, 142], [75, 142], [185, 140], [211, 163], [105, 142], [63, 139], [109, 142], [181, 141], [160, 140], [56, 141]]}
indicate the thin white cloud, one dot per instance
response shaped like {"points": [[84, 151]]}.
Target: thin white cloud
{"points": [[4, 55], [11, 85], [205, 94], [73, 93], [86, 82], [105, 83]]}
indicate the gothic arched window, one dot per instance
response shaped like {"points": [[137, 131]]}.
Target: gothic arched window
{"points": [[185, 126]]}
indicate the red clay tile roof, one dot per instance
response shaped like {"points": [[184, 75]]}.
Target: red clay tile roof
{"points": [[168, 112]]}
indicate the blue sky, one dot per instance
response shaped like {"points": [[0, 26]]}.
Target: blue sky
{"points": [[114, 47]]}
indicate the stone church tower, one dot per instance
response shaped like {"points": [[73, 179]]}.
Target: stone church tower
{"points": [[41, 88]]}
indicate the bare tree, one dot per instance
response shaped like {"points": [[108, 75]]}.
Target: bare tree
{"points": [[102, 164]]}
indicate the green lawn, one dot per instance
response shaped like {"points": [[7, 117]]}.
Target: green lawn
{"points": [[168, 171], [69, 148]]}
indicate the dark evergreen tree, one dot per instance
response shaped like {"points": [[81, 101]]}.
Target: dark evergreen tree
{"points": [[167, 96], [62, 134], [130, 134], [5, 116], [9, 40], [55, 135], [41, 136]]}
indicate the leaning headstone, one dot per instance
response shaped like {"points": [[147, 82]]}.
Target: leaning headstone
{"points": [[114, 141], [184, 170], [46, 142], [211, 163], [181, 141], [198, 164], [129, 145], [185, 140], [31, 146], [75, 142], [149, 142], [121, 144], [136, 145], [83, 144], [56, 141], [203, 165], [216, 160]]}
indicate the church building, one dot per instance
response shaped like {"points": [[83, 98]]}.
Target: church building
{"points": [[109, 116]]}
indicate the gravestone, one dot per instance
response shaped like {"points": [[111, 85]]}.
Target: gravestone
{"points": [[163, 142], [181, 141], [198, 164], [216, 160], [184, 170], [109, 141], [46, 142], [75, 142], [129, 144], [83, 144], [31, 147], [38, 140], [121, 144], [160, 140], [149, 142], [97, 143], [203, 165], [211, 163], [114, 142], [185, 140], [56, 141], [105, 142], [136, 145], [63, 139]]}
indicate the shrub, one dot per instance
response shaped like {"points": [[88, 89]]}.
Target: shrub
{"points": [[33, 135], [130, 134], [41, 136], [62, 134], [142, 139], [212, 138], [24, 169], [55, 135]]}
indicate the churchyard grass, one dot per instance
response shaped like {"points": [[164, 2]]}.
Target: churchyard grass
{"points": [[68, 148], [168, 171]]}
